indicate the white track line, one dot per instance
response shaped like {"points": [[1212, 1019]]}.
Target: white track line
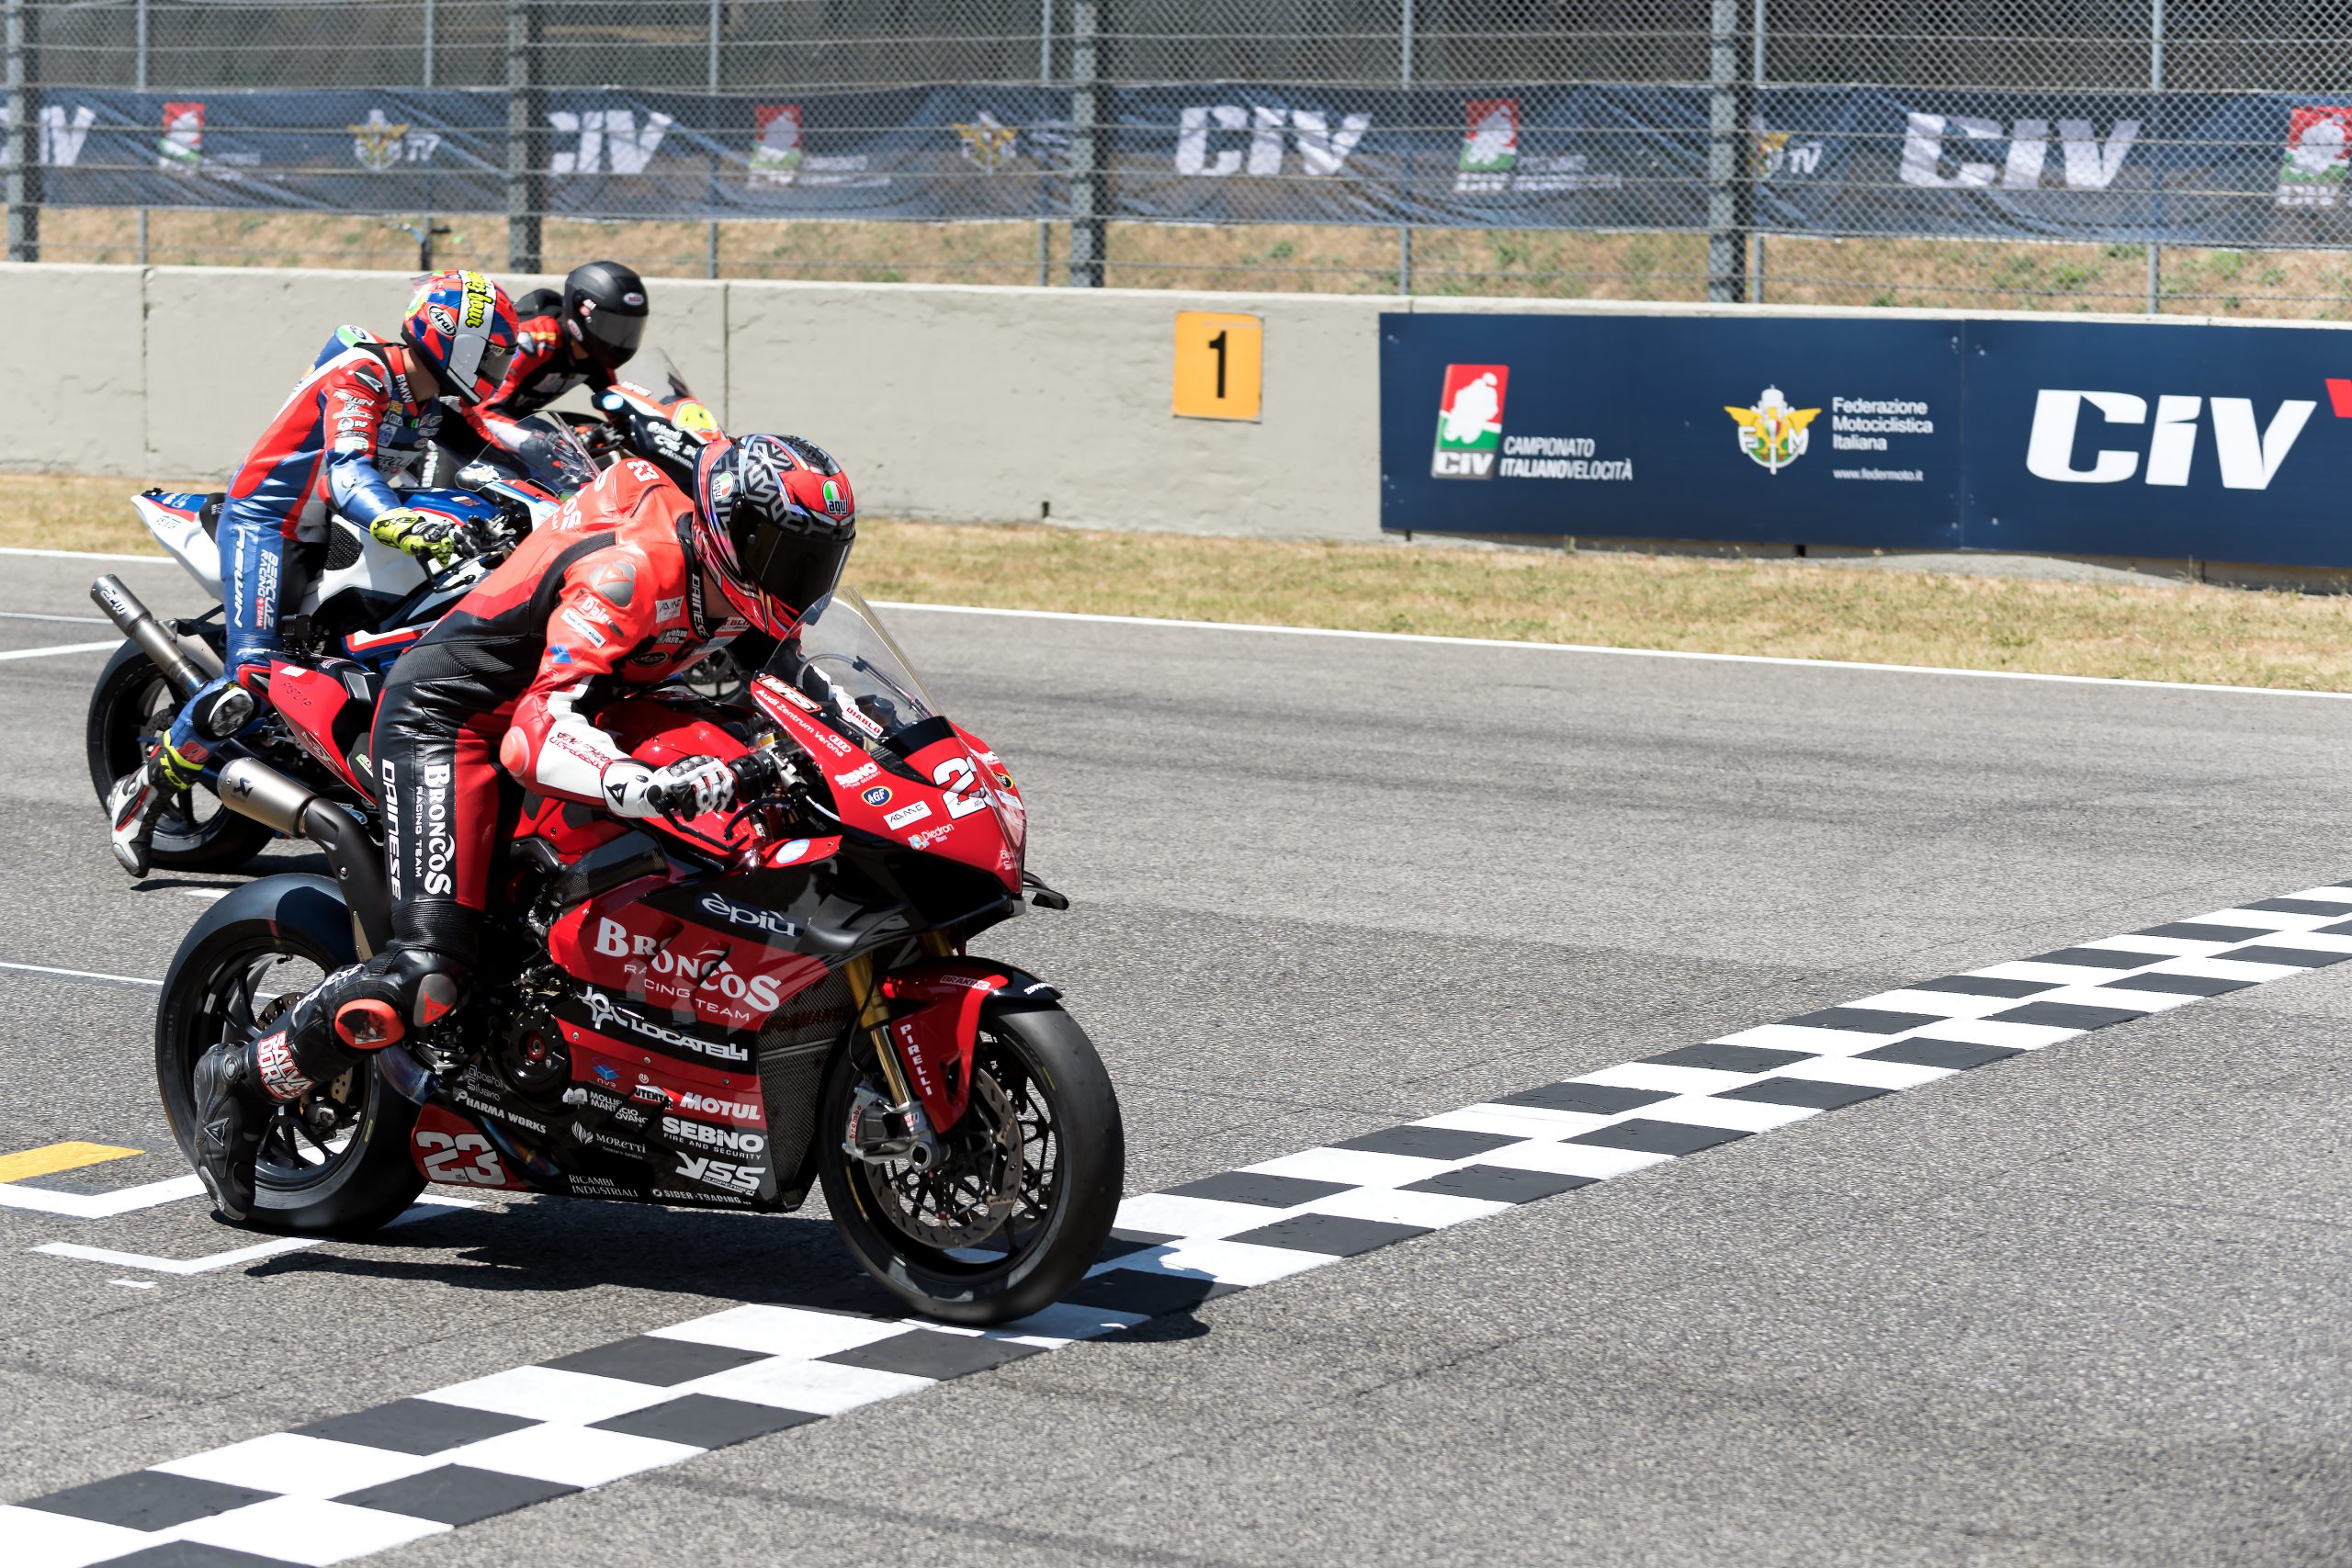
{"points": [[63, 648], [80, 974], [1428, 639], [83, 555], [30, 615], [99, 1205]]}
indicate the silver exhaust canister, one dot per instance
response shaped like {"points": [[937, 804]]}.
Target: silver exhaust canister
{"points": [[138, 624]]}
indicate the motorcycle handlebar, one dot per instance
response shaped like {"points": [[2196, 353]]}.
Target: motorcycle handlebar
{"points": [[757, 773]]}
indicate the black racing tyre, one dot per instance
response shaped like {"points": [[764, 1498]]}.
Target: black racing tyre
{"points": [[131, 703], [338, 1163], [1036, 1071]]}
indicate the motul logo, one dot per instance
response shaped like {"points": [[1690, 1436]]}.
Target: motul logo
{"points": [[2246, 453]]}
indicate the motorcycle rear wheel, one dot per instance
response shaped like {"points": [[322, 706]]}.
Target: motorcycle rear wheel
{"points": [[337, 1163], [132, 706], [1037, 1082]]}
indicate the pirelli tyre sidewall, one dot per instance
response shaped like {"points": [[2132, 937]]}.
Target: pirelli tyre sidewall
{"points": [[304, 916], [1090, 1180], [131, 690]]}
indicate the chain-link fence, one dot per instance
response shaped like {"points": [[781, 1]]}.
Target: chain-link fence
{"points": [[2086, 154]]}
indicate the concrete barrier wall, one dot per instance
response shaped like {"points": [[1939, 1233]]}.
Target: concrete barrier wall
{"points": [[949, 403], [945, 402]]}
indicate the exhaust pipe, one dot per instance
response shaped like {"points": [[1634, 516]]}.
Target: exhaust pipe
{"points": [[252, 788], [138, 624]]}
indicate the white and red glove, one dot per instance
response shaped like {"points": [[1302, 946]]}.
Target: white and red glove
{"points": [[690, 786]]}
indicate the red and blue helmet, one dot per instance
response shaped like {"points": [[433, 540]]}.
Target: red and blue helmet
{"points": [[464, 326]]}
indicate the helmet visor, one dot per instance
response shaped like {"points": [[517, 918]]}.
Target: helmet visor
{"points": [[793, 569], [613, 338], [495, 359]]}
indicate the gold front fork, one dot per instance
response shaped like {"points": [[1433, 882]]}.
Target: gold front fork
{"points": [[873, 1016]]}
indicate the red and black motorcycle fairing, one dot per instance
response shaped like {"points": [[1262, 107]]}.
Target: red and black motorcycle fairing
{"points": [[670, 1045]]}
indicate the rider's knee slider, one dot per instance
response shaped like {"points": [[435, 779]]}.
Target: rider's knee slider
{"points": [[221, 714]]}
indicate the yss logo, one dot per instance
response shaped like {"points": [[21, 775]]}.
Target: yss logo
{"points": [[744, 1179]]}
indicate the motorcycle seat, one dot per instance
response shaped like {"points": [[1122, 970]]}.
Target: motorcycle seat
{"points": [[210, 513]]}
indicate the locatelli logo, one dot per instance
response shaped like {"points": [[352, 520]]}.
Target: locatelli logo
{"points": [[1470, 421], [1772, 433]]}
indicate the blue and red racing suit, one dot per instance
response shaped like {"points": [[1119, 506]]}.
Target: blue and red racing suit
{"points": [[350, 428]]}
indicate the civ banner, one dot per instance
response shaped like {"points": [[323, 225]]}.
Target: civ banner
{"points": [[2119, 438], [2199, 168]]}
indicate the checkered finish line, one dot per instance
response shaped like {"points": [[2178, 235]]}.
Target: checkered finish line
{"points": [[353, 1484]]}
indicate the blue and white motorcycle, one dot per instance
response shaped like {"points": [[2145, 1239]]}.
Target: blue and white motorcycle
{"points": [[359, 604]]}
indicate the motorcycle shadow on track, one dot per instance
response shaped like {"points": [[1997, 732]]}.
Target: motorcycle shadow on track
{"points": [[553, 1247]]}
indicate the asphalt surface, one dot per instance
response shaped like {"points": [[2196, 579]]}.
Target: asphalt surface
{"points": [[2089, 1305]]}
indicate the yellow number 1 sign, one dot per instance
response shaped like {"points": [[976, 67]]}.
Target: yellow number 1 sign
{"points": [[1217, 365]]}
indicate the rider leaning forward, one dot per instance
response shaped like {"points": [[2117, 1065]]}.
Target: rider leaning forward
{"points": [[630, 582], [357, 424], [361, 417]]}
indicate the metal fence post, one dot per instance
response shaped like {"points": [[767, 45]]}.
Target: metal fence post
{"points": [[1044, 189], [139, 80], [1086, 149], [2156, 164], [1726, 230], [1756, 150], [526, 180], [1405, 79], [23, 193], [428, 40], [711, 265]]}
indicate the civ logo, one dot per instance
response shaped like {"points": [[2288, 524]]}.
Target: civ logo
{"points": [[2086, 163], [2247, 454], [1322, 149]]}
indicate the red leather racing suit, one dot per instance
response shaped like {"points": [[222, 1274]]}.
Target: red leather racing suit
{"points": [[608, 592], [543, 368]]}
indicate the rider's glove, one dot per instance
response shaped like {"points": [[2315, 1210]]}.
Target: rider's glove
{"points": [[430, 539], [691, 787]]}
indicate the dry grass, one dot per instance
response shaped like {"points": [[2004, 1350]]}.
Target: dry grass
{"points": [[2185, 631], [1514, 263], [63, 512]]}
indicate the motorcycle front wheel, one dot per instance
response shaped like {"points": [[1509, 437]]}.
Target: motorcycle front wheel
{"points": [[337, 1161], [1020, 1209], [129, 710]]}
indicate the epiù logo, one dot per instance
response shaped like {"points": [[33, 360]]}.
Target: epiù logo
{"points": [[1470, 421], [1772, 433]]}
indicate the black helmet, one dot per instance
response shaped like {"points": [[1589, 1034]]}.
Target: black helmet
{"points": [[774, 515], [604, 312]]}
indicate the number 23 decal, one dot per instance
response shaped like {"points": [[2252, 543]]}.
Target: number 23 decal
{"points": [[446, 1162], [966, 793]]}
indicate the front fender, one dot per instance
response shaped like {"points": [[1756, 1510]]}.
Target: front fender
{"points": [[935, 1023]]}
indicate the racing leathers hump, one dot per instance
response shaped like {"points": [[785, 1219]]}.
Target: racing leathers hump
{"points": [[543, 370], [606, 593]]}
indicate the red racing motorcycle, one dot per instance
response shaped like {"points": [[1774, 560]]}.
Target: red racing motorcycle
{"points": [[720, 1011]]}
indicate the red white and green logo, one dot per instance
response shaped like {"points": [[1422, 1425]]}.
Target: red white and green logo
{"points": [[1470, 421]]}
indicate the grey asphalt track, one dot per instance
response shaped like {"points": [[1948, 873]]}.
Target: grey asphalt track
{"points": [[2089, 1305]]}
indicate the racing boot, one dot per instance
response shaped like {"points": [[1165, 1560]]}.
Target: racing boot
{"points": [[138, 797], [230, 1111], [238, 1085]]}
